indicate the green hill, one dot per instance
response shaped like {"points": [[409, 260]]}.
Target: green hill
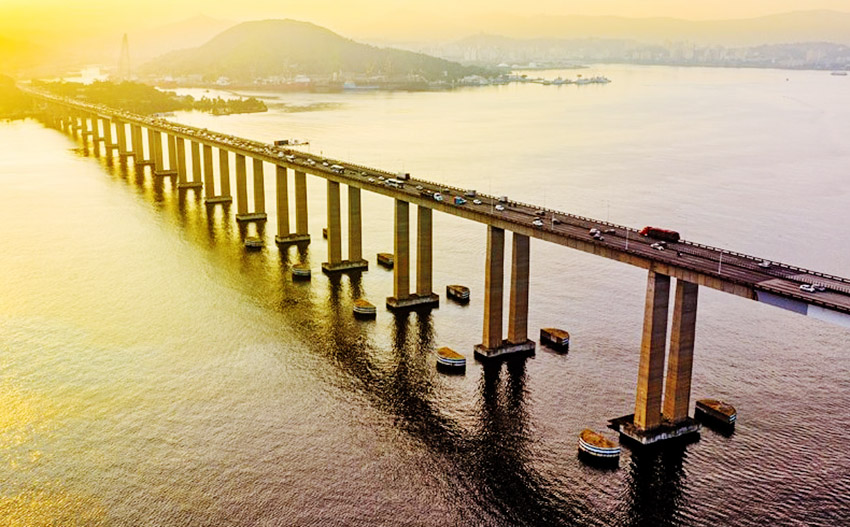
{"points": [[268, 48]]}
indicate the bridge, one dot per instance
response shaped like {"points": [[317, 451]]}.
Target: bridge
{"points": [[661, 406]]}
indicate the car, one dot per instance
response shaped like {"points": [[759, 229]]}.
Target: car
{"points": [[438, 196], [311, 162], [364, 173], [556, 221], [820, 287], [325, 163], [476, 202], [537, 222], [371, 180], [599, 237], [764, 264], [809, 288], [500, 207], [593, 232], [381, 178], [419, 187], [539, 213], [657, 246], [610, 231]]}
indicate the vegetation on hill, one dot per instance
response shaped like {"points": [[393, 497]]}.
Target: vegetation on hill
{"points": [[144, 99], [274, 48], [13, 102]]}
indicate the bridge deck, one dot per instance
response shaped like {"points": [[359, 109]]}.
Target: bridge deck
{"points": [[731, 272]]}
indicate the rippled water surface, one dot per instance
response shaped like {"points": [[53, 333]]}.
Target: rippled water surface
{"points": [[154, 373]]}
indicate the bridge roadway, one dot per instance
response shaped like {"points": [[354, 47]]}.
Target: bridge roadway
{"points": [[727, 271]]}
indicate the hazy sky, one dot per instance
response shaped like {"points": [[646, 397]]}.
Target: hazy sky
{"points": [[17, 17]]}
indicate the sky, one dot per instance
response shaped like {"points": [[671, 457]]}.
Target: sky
{"points": [[19, 18]]}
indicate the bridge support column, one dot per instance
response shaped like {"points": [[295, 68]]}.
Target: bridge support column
{"points": [[224, 173], [196, 164], [335, 262], [182, 171], [301, 227], [95, 131], [171, 141], [646, 425], [242, 213], [209, 180], [424, 256], [492, 344], [85, 127], [677, 389], [518, 311], [284, 236], [136, 144], [121, 135], [108, 143], [155, 139], [149, 157], [402, 300]]}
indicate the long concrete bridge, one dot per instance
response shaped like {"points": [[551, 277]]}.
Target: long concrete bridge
{"points": [[661, 407]]}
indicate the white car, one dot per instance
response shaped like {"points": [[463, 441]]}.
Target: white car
{"points": [[764, 264], [537, 222], [500, 207], [476, 202], [809, 288], [657, 246], [371, 180], [438, 196]]}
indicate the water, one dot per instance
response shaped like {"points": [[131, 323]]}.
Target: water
{"points": [[154, 373]]}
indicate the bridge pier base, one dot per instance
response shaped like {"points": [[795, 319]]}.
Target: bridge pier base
{"points": [[517, 343], [647, 425]]}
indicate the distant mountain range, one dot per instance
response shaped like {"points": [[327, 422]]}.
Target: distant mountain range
{"points": [[278, 48], [798, 26]]}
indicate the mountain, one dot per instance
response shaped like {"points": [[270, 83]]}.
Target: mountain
{"points": [[271, 48], [798, 26]]}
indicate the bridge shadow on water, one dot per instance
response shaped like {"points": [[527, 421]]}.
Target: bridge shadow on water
{"points": [[486, 468]]}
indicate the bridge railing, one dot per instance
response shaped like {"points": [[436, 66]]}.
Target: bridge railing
{"points": [[270, 150]]}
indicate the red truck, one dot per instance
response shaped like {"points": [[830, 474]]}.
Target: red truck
{"points": [[660, 234]]}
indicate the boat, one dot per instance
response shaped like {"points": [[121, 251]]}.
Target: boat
{"points": [[555, 338], [364, 309], [325, 233], [301, 272], [839, 73], [254, 242], [722, 413], [597, 446], [386, 260], [459, 293], [450, 360]]}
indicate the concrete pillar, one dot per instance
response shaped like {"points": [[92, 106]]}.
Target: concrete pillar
{"points": [[224, 172], [401, 251], [677, 389], [518, 310], [355, 227], [301, 204], [155, 139], [209, 183], [182, 173], [108, 143], [196, 163], [172, 153], [282, 189], [121, 135], [150, 159], [95, 129], [653, 343], [138, 145], [334, 225], [84, 125], [259, 188], [424, 253], [494, 279], [241, 187]]}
